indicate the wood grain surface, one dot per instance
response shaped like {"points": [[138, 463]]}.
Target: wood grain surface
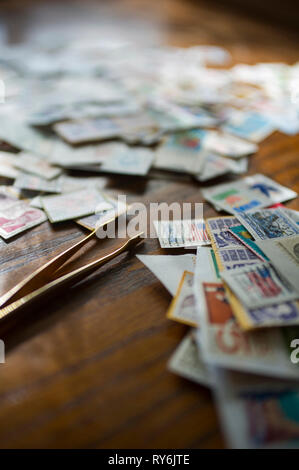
{"points": [[88, 369]]}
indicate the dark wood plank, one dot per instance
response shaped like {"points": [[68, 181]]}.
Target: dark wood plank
{"points": [[89, 368]]}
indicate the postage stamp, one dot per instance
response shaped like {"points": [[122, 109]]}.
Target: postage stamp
{"points": [[259, 285], [230, 252], [268, 223], [281, 314], [284, 255], [244, 236], [224, 343], [182, 307]]}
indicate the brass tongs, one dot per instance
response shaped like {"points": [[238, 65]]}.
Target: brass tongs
{"points": [[37, 286]]}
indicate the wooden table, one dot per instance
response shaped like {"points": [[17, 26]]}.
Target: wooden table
{"points": [[88, 370]]}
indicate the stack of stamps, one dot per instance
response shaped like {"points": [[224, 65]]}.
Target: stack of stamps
{"points": [[241, 300]]}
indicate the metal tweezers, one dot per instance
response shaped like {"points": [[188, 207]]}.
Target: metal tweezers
{"points": [[40, 283]]}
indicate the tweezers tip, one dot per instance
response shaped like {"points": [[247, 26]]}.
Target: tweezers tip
{"points": [[139, 237]]}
